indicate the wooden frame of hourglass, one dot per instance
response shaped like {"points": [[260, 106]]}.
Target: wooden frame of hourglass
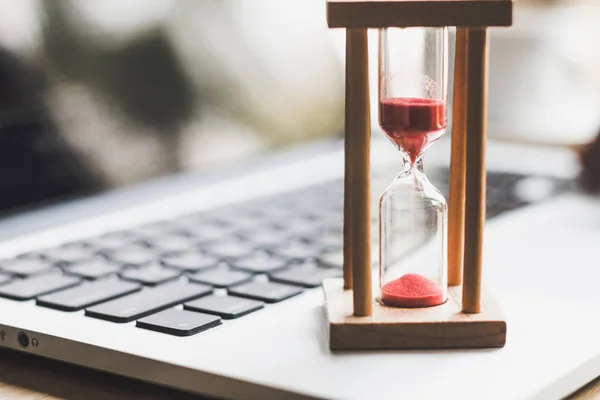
{"points": [[470, 318]]}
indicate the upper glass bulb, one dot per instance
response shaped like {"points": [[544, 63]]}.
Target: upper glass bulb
{"points": [[412, 87]]}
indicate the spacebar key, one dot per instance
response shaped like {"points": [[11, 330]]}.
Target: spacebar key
{"points": [[141, 304]]}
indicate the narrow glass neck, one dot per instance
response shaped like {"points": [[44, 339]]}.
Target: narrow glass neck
{"points": [[408, 167]]}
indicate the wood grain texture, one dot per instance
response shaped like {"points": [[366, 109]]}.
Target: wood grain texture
{"points": [[458, 163], [358, 154], [475, 200], [443, 326], [404, 13]]}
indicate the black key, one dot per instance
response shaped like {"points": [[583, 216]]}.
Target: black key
{"points": [[221, 277], [146, 302], [195, 219], [31, 254], [227, 307], [4, 278], [313, 216], [230, 250], [68, 254], [297, 250], [332, 260], [299, 227], [290, 201], [153, 274], [327, 242], [114, 240], [133, 255], [171, 243], [238, 218], [88, 294], [29, 288], [25, 266], [193, 261], [95, 268], [80, 244], [277, 214], [179, 322], [256, 210], [336, 228], [335, 206], [260, 263], [265, 238], [269, 292], [308, 276], [207, 233], [156, 229], [335, 260]]}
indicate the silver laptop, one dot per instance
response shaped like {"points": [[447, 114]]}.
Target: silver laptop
{"points": [[208, 279]]}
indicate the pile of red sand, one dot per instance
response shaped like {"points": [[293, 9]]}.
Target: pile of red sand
{"points": [[412, 291]]}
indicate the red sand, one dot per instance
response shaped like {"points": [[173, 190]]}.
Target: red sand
{"points": [[412, 122], [412, 291]]}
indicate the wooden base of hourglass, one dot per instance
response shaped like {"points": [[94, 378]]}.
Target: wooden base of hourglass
{"points": [[444, 326]]}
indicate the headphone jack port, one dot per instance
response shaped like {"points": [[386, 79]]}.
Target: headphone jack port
{"points": [[23, 339]]}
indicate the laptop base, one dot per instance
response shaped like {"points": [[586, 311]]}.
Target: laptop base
{"points": [[444, 326]]}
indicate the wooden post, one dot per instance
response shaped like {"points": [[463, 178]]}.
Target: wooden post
{"points": [[348, 218], [458, 163], [358, 160], [477, 59]]}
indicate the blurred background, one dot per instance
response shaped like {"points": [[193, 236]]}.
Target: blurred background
{"points": [[102, 94]]}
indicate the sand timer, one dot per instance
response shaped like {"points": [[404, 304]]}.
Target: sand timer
{"points": [[412, 212], [418, 304]]}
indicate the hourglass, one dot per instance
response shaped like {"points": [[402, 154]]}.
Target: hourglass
{"points": [[427, 291], [412, 113]]}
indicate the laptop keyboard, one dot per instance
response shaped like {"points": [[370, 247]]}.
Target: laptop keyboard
{"points": [[187, 275]]}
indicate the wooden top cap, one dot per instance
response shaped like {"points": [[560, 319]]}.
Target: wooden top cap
{"points": [[405, 13]]}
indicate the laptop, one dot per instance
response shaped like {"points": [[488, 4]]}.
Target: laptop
{"points": [[209, 281]]}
